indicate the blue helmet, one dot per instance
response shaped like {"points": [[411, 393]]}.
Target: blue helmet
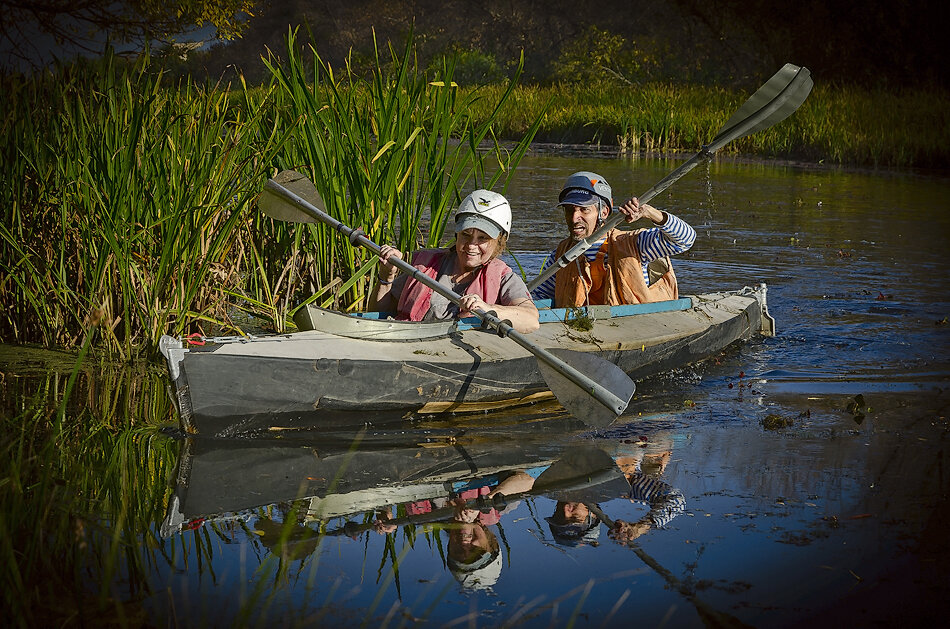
{"points": [[585, 188]]}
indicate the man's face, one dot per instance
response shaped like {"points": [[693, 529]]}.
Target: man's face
{"points": [[574, 512], [582, 219]]}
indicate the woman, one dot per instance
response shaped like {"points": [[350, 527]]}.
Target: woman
{"points": [[472, 269]]}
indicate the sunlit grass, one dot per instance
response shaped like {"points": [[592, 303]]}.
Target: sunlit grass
{"points": [[392, 154], [124, 204], [907, 128], [129, 202]]}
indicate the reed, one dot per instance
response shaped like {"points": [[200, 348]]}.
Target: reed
{"points": [[392, 154], [123, 206], [125, 200], [908, 128]]}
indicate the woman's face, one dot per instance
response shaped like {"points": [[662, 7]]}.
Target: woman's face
{"points": [[474, 248]]}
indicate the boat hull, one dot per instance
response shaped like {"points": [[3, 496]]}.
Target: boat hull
{"points": [[236, 385]]}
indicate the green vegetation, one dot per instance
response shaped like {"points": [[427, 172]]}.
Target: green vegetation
{"points": [[392, 155], [908, 128], [122, 203], [129, 201]]}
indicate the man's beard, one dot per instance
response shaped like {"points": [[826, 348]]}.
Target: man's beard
{"points": [[577, 238]]}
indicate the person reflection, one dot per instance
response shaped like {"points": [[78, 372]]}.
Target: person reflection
{"points": [[643, 469], [578, 523], [474, 556], [574, 524], [473, 552]]}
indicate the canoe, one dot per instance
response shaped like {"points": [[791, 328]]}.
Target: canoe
{"points": [[222, 480], [358, 365]]}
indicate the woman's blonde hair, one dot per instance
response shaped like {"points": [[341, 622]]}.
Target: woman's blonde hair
{"points": [[501, 243]]}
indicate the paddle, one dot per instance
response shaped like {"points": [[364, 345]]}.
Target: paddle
{"points": [[594, 461], [590, 388], [773, 102], [711, 617], [581, 468]]}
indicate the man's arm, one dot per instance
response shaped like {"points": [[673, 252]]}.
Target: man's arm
{"points": [[546, 289], [671, 237]]}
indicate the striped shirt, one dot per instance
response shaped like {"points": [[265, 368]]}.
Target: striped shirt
{"points": [[672, 237], [665, 502]]}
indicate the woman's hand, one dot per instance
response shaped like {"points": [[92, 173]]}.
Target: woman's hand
{"points": [[382, 524], [388, 272], [469, 303], [462, 511]]}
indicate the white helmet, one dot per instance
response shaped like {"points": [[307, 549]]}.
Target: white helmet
{"points": [[585, 188], [484, 210]]}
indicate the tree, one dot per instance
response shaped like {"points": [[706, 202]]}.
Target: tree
{"points": [[30, 29]]}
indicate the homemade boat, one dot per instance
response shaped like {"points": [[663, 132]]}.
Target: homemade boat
{"points": [[344, 366], [227, 479]]}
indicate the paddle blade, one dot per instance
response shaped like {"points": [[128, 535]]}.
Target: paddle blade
{"points": [[583, 473], [579, 401], [775, 101], [277, 207]]}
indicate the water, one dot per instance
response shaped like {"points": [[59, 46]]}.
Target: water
{"points": [[835, 516]]}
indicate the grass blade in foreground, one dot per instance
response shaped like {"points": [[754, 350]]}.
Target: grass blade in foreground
{"points": [[596, 397], [775, 101]]}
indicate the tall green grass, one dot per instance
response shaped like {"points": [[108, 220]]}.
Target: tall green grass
{"points": [[121, 199], [129, 203], [392, 153], [908, 128]]}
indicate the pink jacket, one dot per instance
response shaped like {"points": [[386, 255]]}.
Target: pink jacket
{"points": [[415, 297]]}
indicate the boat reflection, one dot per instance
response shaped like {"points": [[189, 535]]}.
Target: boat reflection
{"points": [[455, 489]]}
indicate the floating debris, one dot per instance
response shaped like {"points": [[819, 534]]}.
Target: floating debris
{"points": [[776, 422], [858, 407]]}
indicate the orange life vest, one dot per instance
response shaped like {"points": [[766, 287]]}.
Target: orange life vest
{"points": [[615, 277]]}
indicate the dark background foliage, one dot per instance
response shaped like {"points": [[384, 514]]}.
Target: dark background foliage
{"points": [[879, 43]]}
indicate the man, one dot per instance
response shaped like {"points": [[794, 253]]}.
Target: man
{"points": [[573, 524], [623, 267]]}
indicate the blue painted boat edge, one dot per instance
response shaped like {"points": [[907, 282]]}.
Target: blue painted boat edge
{"points": [[547, 314]]}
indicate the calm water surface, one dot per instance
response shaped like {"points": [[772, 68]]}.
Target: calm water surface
{"points": [[836, 516]]}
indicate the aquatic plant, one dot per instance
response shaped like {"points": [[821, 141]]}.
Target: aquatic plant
{"points": [[907, 128], [392, 154], [125, 199], [123, 202]]}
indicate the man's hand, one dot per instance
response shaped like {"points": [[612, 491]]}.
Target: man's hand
{"points": [[628, 531], [634, 211]]}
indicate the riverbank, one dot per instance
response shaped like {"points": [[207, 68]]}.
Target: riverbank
{"points": [[131, 205], [842, 126]]}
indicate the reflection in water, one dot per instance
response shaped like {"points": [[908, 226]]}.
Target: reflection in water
{"points": [[291, 498], [825, 515]]}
